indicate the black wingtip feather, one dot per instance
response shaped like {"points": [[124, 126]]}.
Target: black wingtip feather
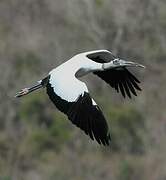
{"points": [[131, 88], [122, 80], [126, 89], [122, 89], [90, 119], [132, 76]]}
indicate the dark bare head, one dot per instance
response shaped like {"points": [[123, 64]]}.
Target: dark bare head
{"points": [[117, 63]]}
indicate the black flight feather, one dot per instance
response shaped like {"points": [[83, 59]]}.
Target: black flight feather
{"points": [[83, 114], [119, 78]]}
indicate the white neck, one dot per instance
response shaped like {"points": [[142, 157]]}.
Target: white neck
{"points": [[108, 65]]}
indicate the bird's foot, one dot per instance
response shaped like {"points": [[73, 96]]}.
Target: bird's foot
{"points": [[22, 92]]}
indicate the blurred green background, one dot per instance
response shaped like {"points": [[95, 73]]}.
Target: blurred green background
{"points": [[37, 141]]}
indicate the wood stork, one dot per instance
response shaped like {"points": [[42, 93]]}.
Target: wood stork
{"points": [[71, 96]]}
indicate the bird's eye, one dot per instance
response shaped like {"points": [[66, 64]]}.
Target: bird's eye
{"points": [[116, 61]]}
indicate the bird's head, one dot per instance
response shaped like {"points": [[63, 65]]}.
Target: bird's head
{"points": [[122, 63], [118, 63]]}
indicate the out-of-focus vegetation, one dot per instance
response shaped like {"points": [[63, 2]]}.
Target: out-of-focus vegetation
{"points": [[36, 140], [127, 129]]}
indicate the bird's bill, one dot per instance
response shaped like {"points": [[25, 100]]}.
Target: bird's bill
{"points": [[26, 91], [131, 64]]}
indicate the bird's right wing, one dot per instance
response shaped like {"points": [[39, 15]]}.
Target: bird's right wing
{"points": [[84, 113], [120, 79], [89, 118]]}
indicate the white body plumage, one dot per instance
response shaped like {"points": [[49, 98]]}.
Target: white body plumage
{"points": [[64, 78]]}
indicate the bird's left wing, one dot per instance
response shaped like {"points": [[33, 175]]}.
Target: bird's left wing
{"points": [[84, 113], [120, 79]]}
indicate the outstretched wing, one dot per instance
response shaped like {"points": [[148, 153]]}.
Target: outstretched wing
{"points": [[120, 78], [83, 112]]}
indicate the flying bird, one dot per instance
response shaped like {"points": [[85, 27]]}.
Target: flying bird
{"points": [[71, 96]]}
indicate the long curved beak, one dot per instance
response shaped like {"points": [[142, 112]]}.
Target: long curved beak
{"points": [[130, 64]]}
